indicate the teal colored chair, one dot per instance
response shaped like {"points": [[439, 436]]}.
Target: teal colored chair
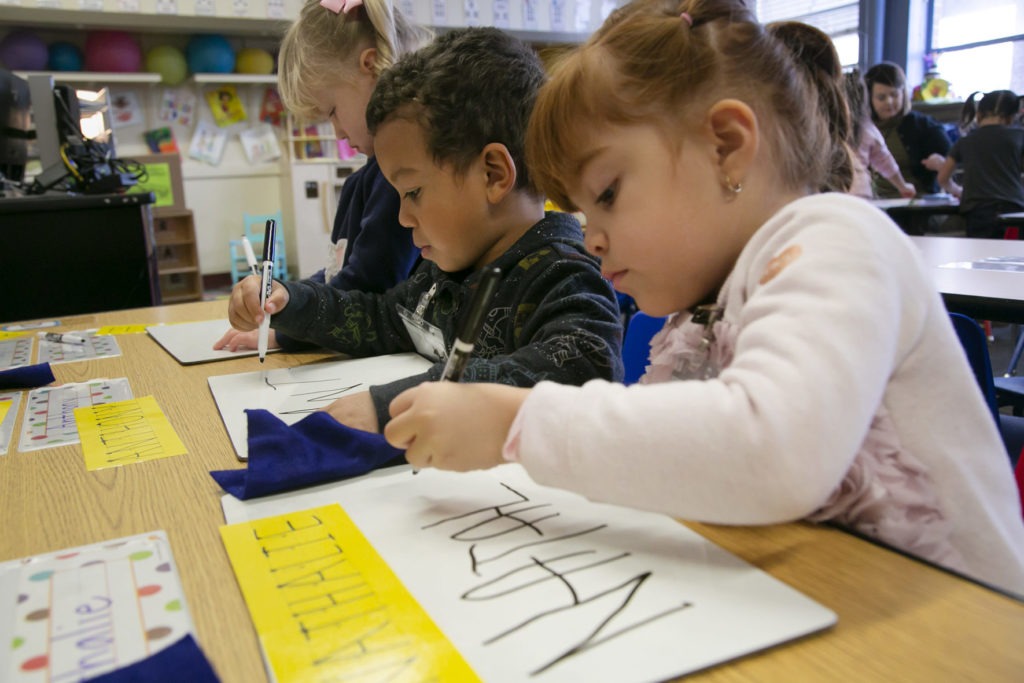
{"points": [[254, 229]]}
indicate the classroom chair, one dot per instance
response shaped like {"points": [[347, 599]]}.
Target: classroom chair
{"points": [[1009, 387], [254, 227], [636, 344], [972, 338]]}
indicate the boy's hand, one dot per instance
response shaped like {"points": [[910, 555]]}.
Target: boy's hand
{"points": [[356, 411], [244, 306], [453, 426], [233, 340]]}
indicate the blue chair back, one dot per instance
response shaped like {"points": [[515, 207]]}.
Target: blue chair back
{"points": [[975, 343], [636, 345]]}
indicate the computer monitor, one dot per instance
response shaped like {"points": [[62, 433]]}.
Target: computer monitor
{"points": [[14, 125]]}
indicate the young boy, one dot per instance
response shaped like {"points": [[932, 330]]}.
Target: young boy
{"points": [[449, 125]]}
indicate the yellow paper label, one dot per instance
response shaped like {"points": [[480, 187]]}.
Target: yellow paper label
{"points": [[4, 407], [125, 432], [122, 329], [327, 607], [11, 335]]}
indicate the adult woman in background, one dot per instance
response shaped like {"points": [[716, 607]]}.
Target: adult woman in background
{"points": [[917, 141]]}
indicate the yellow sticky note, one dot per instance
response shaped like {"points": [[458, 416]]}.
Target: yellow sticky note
{"points": [[11, 335], [327, 607], [122, 329], [125, 432], [4, 407]]}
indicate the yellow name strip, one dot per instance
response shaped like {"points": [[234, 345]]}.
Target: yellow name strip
{"points": [[125, 432], [122, 329], [327, 607]]}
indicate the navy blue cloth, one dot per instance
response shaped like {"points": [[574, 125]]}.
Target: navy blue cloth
{"points": [[183, 661], [26, 377], [315, 450]]}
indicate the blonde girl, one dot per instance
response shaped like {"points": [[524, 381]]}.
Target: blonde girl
{"points": [[808, 369], [329, 62]]}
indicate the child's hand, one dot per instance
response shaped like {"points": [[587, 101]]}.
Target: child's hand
{"points": [[453, 426], [233, 340], [907, 190], [244, 306], [356, 411], [933, 162]]}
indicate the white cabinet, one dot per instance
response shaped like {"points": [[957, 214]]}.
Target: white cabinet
{"points": [[314, 189]]}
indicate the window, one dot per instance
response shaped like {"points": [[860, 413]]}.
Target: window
{"points": [[978, 44], [838, 18]]}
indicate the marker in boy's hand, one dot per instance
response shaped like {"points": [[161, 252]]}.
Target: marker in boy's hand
{"points": [[244, 312]]}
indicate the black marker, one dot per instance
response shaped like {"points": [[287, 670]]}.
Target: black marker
{"points": [[472, 323]]}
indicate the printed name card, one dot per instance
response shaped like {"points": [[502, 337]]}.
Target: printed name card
{"points": [[526, 582], [125, 432], [9, 402], [326, 606], [82, 612], [108, 330]]}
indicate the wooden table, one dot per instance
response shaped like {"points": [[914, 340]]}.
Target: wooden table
{"points": [[899, 619], [987, 294]]}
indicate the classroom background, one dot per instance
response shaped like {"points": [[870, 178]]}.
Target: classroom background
{"points": [[169, 68]]}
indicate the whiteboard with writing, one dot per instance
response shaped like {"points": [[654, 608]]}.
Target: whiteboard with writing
{"points": [[531, 583], [293, 393]]}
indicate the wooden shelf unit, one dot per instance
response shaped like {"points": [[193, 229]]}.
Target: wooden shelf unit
{"points": [[177, 259]]}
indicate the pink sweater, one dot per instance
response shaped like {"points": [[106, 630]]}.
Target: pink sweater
{"points": [[872, 153], [835, 389]]}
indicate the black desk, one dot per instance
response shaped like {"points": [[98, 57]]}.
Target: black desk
{"points": [[63, 254], [913, 215], [980, 290]]}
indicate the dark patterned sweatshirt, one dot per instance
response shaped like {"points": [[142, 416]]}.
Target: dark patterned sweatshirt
{"points": [[553, 317]]}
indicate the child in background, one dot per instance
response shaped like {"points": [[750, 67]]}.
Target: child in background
{"points": [[992, 158], [808, 370], [449, 123], [869, 150], [330, 60], [917, 142]]}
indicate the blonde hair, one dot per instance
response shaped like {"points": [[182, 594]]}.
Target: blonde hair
{"points": [[650, 64], [319, 49]]}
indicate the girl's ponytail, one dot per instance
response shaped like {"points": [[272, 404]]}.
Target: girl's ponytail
{"points": [[968, 112]]}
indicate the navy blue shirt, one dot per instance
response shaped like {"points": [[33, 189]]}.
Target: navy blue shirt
{"points": [[379, 252]]}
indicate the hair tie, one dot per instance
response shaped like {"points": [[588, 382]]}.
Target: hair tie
{"points": [[342, 6], [685, 16]]}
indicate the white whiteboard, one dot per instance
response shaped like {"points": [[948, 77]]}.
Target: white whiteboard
{"points": [[293, 393], [193, 342], [532, 583]]}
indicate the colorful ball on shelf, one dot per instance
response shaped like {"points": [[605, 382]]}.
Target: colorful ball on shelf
{"points": [[114, 51], [169, 62], [210, 54], [23, 51], [65, 56], [252, 60]]}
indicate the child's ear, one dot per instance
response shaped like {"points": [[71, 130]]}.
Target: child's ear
{"points": [[368, 61], [500, 169], [735, 134]]}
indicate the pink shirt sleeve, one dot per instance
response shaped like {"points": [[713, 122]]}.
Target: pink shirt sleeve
{"points": [[880, 159]]}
